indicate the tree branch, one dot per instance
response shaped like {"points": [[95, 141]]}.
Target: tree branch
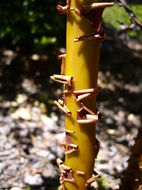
{"points": [[135, 22]]}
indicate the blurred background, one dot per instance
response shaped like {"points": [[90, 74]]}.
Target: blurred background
{"points": [[32, 35]]}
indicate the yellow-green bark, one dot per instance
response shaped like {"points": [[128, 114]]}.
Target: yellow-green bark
{"points": [[82, 62]]}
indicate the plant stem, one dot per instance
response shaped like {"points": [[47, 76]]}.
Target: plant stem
{"points": [[82, 62], [132, 178]]}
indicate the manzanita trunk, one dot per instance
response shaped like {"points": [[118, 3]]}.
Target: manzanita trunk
{"points": [[132, 179], [79, 74]]}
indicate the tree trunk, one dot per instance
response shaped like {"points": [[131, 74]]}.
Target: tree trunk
{"points": [[79, 98], [132, 179]]}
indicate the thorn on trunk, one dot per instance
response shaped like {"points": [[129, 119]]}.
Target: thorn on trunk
{"points": [[93, 6], [63, 58], [82, 94], [60, 104], [80, 173], [92, 179], [64, 9], [94, 36], [86, 116]]}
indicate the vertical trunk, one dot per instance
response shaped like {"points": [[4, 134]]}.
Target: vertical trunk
{"points": [[79, 74], [132, 179], [82, 63]]}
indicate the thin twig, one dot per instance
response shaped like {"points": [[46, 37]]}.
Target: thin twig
{"points": [[135, 22]]}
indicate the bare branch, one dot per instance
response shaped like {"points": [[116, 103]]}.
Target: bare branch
{"points": [[135, 22]]}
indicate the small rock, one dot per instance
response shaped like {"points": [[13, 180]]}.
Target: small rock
{"points": [[23, 133], [5, 129], [8, 146], [49, 171], [21, 125], [49, 123], [24, 114], [111, 131], [1, 167], [29, 86], [36, 110], [109, 121], [51, 157], [123, 149], [15, 188], [134, 120], [21, 98], [43, 153], [3, 140], [34, 180], [22, 160], [54, 117], [60, 137], [118, 168], [112, 151], [14, 104], [32, 125]]}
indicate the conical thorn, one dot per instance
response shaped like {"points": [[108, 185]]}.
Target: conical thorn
{"points": [[69, 131], [93, 36], [96, 6], [64, 9], [63, 58], [92, 179], [82, 94], [60, 104], [80, 172], [86, 116]]}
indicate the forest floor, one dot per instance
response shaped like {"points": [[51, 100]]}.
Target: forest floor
{"points": [[31, 127]]}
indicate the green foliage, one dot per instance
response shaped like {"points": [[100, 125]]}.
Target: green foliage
{"points": [[30, 24], [112, 15], [28, 188], [101, 183], [117, 14]]}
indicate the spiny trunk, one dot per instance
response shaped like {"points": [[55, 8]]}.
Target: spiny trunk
{"points": [[79, 75], [132, 179]]}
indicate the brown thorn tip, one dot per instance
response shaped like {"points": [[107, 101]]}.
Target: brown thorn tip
{"points": [[76, 39], [82, 94], [92, 179], [62, 144], [74, 146], [86, 116], [64, 9], [97, 5], [77, 11], [68, 2], [59, 161], [69, 131], [65, 168], [60, 105], [67, 80], [52, 77], [61, 56], [80, 172], [66, 174], [93, 36], [71, 148]]}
